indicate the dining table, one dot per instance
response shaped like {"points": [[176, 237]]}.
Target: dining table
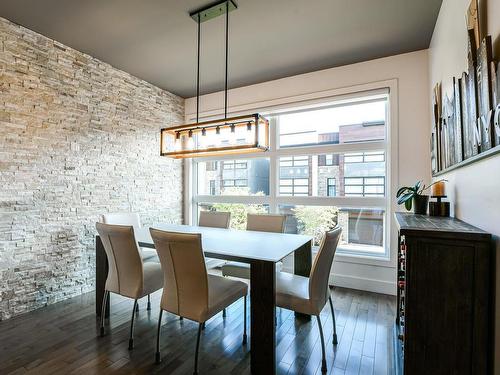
{"points": [[262, 250]]}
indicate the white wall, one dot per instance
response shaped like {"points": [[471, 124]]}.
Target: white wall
{"points": [[474, 190], [409, 72]]}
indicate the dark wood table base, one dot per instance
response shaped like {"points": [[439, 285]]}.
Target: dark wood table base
{"points": [[262, 313]]}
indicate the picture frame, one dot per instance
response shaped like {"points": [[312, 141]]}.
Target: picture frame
{"points": [[473, 131], [472, 20], [434, 148], [484, 115], [457, 106], [450, 116], [447, 133], [495, 85], [467, 136], [435, 135]]}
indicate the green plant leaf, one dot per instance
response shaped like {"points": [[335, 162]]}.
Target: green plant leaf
{"points": [[401, 191], [417, 186], [408, 204], [405, 197]]}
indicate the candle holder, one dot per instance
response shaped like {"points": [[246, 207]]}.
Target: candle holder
{"points": [[439, 208]]}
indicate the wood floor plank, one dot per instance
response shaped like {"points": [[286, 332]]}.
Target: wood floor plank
{"points": [[366, 367], [62, 339], [354, 360]]}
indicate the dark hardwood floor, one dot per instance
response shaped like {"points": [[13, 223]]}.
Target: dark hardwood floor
{"points": [[63, 339]]}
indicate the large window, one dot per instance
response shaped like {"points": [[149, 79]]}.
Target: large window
{"points": [[326, 167]]}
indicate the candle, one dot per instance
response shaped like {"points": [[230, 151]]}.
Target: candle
{"points": [[437, 190]]}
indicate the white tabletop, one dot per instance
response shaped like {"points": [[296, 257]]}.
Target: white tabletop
{"points": [[228, 244]]}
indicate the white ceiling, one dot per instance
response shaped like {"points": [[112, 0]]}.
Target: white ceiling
{"points": [[269, 39]]}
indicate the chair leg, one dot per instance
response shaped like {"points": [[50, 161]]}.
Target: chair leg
{"points": [[137, 308], [323, 360], [181, 318], [131, 339], [149, 303], [245, 320], [203, 326], [157, 354], [197, 349], [224, 309], [335, 342], [103, 311]]}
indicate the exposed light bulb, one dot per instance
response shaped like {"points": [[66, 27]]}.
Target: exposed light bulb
{"points": [[215, 138], [177, 143], [232, 135], [248, 135], [190, 143], [203, 138]]}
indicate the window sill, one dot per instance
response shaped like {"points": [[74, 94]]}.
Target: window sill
{"points": [[350, 257]]}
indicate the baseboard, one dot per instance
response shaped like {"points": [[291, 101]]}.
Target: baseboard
{"points": [[359, 283]]}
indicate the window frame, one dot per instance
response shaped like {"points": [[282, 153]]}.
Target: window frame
{"points": [[363, 186], [359, 93], [328, 186]]}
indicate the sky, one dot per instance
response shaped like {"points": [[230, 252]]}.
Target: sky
{"points": [[329, 119]]}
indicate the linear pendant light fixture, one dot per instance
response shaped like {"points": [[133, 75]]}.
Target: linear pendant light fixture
{"points": [[241, 134]]}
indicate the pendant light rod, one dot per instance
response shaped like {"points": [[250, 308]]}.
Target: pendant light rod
{"points": [[198, 74], [185, 141], [202, 15], [227, 57]]}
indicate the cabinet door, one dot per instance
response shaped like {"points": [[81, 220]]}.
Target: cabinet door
{"points": [[439, 306]]}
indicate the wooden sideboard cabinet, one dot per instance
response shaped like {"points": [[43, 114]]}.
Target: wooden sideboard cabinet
{"points": [[443, 323]]}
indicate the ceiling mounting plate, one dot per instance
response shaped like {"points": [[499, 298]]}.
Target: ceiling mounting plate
{"points": [[213, 10]]}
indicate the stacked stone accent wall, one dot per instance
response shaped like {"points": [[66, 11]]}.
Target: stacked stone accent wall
{"points": [[78, 138]]}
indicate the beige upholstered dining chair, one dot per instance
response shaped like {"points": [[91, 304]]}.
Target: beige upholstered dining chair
{"points": [[214, 219], [129, 218], [128, 275], [132, 219], [260, 223], [308, 295], [188, 290]]}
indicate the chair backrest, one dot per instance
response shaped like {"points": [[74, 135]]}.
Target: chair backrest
{"points": [[266, 223], [185, 288], [125, 274], [122, 218], [214, 219], [320, 271]]}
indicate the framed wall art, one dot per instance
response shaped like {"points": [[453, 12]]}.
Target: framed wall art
{"points": [[484, 93], [466, 121], [495, 94], [457, 91], [467, 136], [435, 138], [472, 94]]}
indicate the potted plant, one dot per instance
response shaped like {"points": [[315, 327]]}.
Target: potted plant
{"points": [[412, 196]]}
